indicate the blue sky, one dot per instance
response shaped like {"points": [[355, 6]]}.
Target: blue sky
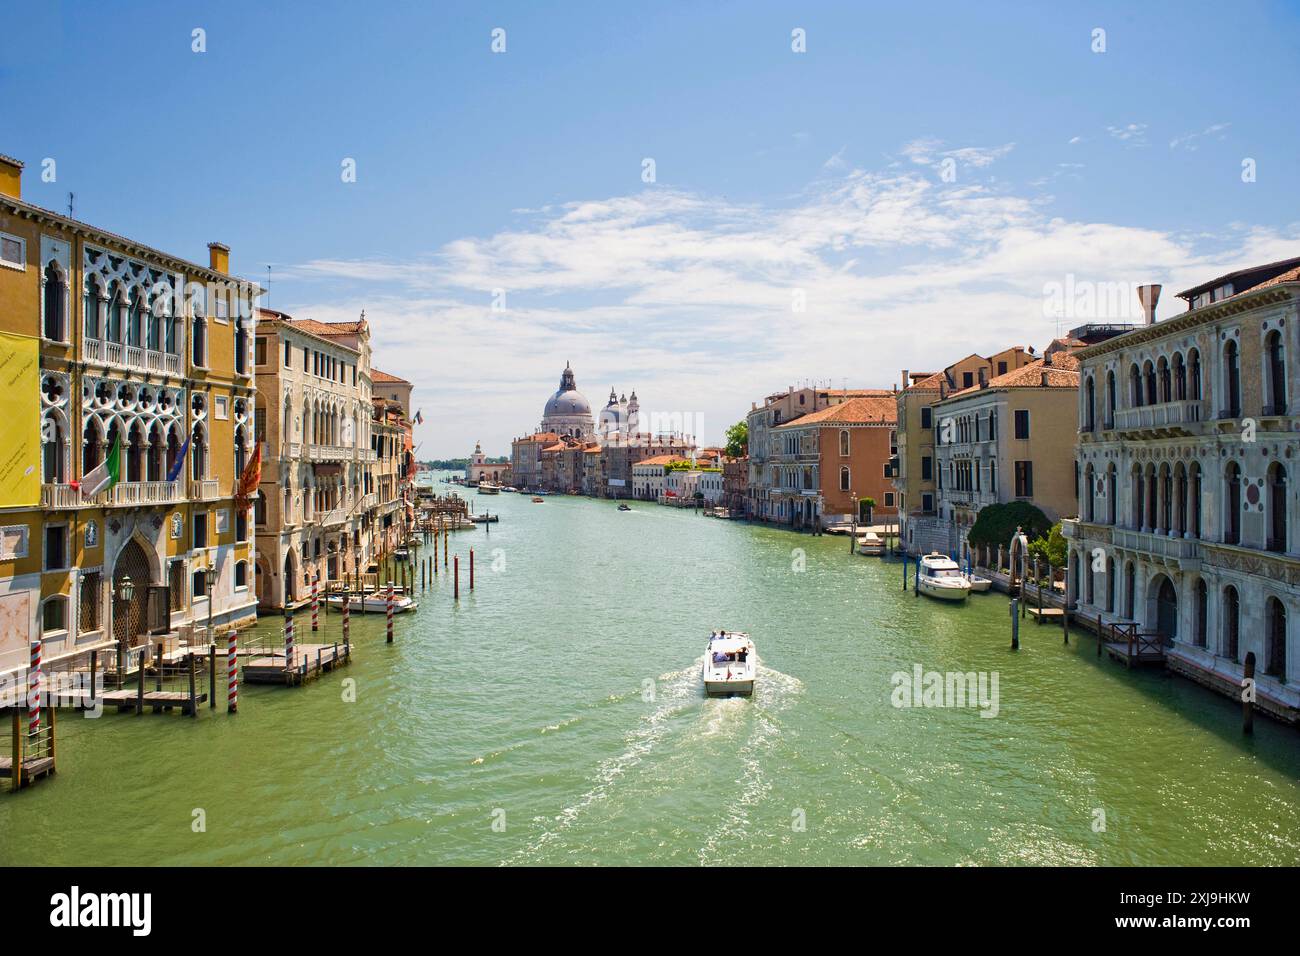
{"points": [[777, 174]]}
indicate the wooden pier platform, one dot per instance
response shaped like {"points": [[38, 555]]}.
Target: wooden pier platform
{"points": [[33, 768], [157, 700], [1137, 654], [265, 666], [1053, 614]]}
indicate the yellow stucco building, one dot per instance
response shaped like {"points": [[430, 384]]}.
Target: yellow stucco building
{"points": [[104, 339]]}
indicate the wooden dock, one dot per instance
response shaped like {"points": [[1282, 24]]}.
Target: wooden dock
{"points": [[33, 754], [268, 666], [1053, 614], [158, 701]]}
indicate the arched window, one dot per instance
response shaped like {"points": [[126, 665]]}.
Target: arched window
{"points": [[1180, 499], [1110, 585], [199, 341], [135, 308], [993, 426], [116, 312], [993, 475], [1201, 624], [1275, 374], [1090, 598], [1165, 380], [1165, 516], [92, 446], [1277, 530], [1130, 590], [54, 614], [241, 574], [1135, 386], [844, 443], [1090, 407], [1194, 375], [154, 454], [1089, 494], [844, 478], [241, 452], [90, 308], [1275, 648], [1232, 504], [1231, 631], [1194, 496], [1138, 493], [1180, 377], [1112, 494], [1153, 498], [1110, 399], [199, 453], [1231, 380], [1149, 380], [241, 347], [54, 443], [56, 305]]}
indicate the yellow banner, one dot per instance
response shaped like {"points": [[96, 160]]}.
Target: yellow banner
{"points": [[20, 421]]}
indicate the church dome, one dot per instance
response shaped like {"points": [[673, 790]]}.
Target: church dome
{"points": [[567, 400]]}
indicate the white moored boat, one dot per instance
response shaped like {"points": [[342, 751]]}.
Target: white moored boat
{"points": [[487, 488], [978, 585], [870, 543], [941, 578], [375, 603], [729, 665]]}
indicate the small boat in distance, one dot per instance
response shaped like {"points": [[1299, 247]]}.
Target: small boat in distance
{"points": [[538, 499], [487, 488], [870, 543], [730, 665], [624, 507], [939, 577]]}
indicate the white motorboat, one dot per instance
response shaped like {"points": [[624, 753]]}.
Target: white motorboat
{"points": [[978, 585], [730, 665], [376, 602], [487, 488], [940, 578], [870, 543]]}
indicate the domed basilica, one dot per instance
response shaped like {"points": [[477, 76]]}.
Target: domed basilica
{"points": [[568, 414]]}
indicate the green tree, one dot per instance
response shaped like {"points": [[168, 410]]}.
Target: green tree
{"points": [[865, 506], [1050, 548], [995, 524], [738, 439]]}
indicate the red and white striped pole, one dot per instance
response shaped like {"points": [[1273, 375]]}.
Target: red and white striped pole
{"points": [[232, 678], [390, 612], [33, 693], [346, 622], [288, 638], [315, 600]]}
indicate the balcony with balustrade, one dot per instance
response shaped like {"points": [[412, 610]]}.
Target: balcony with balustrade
{"points": [[134, 357], [317, 452], [1169, 549], [204, 489], [1161, 420]]}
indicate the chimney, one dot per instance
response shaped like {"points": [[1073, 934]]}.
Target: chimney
{"points": [[11, 177], [1043, 376], [984, 377], [904, 378], [1149, 295], [219, 257]]}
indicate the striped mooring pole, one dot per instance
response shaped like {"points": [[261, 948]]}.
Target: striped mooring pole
{"points": [[389, 625], [347, 625], [288, 638], [315, 600], [232, 674], [33, 693], [471, 569]]}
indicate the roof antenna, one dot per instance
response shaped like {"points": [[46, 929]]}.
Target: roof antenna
{"points": [[71, 197], [268, 285]]}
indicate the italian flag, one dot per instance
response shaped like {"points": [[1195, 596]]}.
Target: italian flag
{"points": [[107, 473]]}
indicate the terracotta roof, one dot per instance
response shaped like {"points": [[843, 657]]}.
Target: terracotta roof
{"points": [[558, 446], [928, 384], [661, 460], [1031, 376], [875, 409], [378, 376]]}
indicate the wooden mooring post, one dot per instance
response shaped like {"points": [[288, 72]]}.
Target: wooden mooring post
{"points": [[471, 569], [212, 676], [456, 587], [1248, 694], [1015, 624]]}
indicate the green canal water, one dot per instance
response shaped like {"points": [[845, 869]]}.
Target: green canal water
{"points": [[556, 716]]}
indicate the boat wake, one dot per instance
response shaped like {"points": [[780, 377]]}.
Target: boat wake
{"points": [[755, 719]]}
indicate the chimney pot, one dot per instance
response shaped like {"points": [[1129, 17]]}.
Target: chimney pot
{"points": [[11, 177], [219, 257], [1149, 296], [1044, 379], [904, 378]]}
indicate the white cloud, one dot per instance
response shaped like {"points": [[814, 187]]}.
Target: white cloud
{"points": [[1134, 134], [686, 297], [1191, 141]]}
